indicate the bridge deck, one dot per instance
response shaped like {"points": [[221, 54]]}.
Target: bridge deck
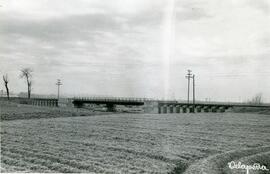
{"points": [[141, 101], [215, 104], [116, 101]]}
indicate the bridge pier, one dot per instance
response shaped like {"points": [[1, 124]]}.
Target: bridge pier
{"points": [[175, 109], [184, 109], [78, 105], [198, 109], [181, 110], [111, 107], [164, 109], [170, 108], [151, 107], [213, 109], [205, 109], [221, 109], [191, 109], [187, 109], [159, 109]]}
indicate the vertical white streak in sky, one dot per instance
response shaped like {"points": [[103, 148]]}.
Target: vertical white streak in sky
{"points": [[168, 45]]}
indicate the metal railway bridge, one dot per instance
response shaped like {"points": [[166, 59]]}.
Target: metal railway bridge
{"points": [[161, 106], [110, 102], [146, 105]]}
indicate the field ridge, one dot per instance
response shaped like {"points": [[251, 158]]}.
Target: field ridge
{"points": [[217, 164]]}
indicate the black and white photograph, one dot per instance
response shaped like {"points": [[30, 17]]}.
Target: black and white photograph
{"points": [[135, 86]]}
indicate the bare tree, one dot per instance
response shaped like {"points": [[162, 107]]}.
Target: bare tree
{"points": [[5, 78], [257, 99], [27, 74]]}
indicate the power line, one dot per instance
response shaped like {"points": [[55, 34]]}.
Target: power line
{"points": [[236, 74]]}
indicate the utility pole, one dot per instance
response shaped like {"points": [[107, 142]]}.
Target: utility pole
{"points": [[193, 92], [58, 83], [188, 76]]}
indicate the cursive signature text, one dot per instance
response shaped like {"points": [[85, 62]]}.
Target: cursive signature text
{"points": [[239, 165]]}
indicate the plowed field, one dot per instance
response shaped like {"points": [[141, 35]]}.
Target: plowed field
{"points": [[131, 143]]}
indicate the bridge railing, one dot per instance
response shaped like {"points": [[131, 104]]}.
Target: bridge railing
{"points": [[112, 99]]}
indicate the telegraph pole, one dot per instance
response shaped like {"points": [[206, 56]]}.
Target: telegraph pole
{"points": [[193, 88], [188, 76], [58, 83], [193, 92]]}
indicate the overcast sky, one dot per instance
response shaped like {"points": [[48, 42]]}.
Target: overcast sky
{"points": [[138, 48]]}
